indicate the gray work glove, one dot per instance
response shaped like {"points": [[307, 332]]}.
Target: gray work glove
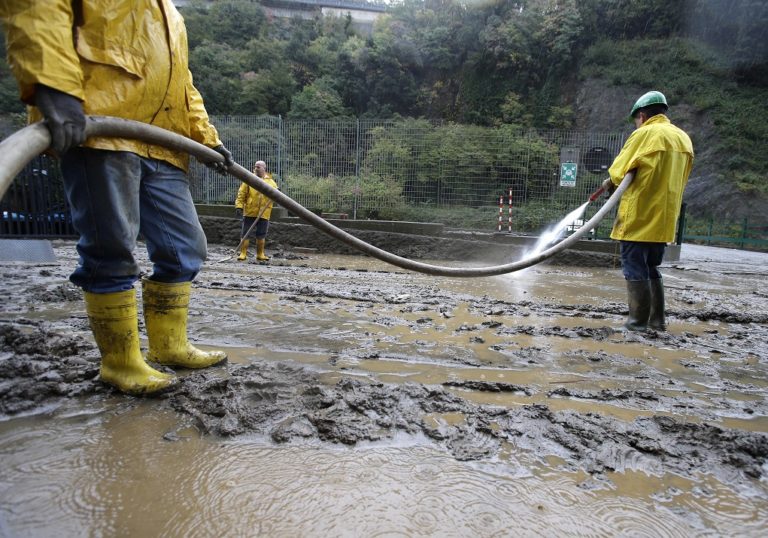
{"points": [[64, 117], [239, 212], [609, 186], [219, 166]]}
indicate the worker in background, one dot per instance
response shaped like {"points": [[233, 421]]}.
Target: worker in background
{"points": [[69, 60], [661, 156], [254, 207]]}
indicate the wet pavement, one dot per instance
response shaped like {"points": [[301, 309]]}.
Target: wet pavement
{"points": [[360, 399]]}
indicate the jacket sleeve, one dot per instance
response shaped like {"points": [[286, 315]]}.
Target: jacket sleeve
{"points": [[627, 159], [200, 127], [40, 46], [242, 195]]}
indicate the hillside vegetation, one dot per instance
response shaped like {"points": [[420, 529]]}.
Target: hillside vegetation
{"points": [[494, 62]]}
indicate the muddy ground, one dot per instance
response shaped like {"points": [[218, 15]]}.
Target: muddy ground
{"points": [[343, 350]]}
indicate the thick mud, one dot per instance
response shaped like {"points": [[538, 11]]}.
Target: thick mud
{"points": [[343, 351]]}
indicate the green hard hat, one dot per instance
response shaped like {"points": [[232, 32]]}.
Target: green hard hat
{"points": [[648, 99]]}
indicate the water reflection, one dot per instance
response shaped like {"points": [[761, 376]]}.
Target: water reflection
{"points": [[115, 475], [108, 470]]}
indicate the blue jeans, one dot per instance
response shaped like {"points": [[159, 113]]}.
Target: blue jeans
{"points": [[640, 261], [259, 231], [114, 196]]}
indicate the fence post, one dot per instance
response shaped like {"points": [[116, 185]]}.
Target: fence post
{"points": [[681, 224], [357, 170], [744, 232], [279, 150], [501, 209], [709, 233]]}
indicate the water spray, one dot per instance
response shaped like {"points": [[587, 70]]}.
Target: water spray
{"points": [[551, 236], [20, 148]]}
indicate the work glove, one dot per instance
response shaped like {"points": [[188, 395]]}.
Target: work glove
{"points": [[609, 186], [219, 166], [239, 212], [64, 117]]}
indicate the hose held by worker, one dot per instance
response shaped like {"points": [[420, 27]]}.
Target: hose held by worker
{"points": [[128, 60]]}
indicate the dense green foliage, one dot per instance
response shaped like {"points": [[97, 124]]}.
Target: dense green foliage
{"points": [[492, 63], [486, 63]]}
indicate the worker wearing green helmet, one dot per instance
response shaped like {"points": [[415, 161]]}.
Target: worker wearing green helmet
{"points": [[648, 99], [661, 156]]}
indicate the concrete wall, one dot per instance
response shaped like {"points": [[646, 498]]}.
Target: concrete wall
{"points": [[480, 249], [409, 239]]}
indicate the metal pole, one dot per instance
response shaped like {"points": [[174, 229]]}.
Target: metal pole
{"points": [[357, 170], [681, 224], [743, 231], [279, 151], [501, 209]]}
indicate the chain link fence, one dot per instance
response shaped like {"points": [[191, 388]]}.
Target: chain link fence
{"points": [[463, 176], [417, 169]]}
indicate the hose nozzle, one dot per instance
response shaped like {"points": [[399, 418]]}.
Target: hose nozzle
{"points": [[596, 194]]}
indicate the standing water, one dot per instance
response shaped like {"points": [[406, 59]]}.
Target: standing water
{"points": [[486, 415]]}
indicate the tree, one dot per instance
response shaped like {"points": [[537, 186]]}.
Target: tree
{"points": [[319, 100], [235, 22], [216, 69]]}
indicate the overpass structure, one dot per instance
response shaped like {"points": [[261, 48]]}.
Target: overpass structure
{"points": [[363, 13], [362, 5]]}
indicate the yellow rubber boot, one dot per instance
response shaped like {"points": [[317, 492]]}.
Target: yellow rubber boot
{"points": [[243, 250], [115, 326], [166, 307], [260, 250]]}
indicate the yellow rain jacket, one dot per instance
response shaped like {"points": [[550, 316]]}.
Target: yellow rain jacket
{"points": [[662, 156], [252, 201], [123, 59]]}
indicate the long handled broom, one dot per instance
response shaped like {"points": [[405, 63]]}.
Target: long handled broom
{"points": [[242, 240]]}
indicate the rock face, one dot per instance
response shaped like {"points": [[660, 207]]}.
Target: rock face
{"points": [[602, 107]]}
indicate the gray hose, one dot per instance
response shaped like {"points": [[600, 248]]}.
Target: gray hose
{"points": [[24, 145]]}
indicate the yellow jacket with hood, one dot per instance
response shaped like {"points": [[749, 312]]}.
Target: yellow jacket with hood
{"points": [[252, 201], [662, 156], [123, 59]]}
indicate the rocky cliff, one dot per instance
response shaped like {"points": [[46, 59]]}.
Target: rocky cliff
{"points": [[599, 106]]}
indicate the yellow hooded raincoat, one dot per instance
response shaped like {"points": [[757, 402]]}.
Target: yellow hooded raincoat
{"points": [[662, 156], [252, 201], [123, 59]]}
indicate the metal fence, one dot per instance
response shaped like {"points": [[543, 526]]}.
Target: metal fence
{"points": [[35, 203], [741, 233], [384, 168], [464, 176]]}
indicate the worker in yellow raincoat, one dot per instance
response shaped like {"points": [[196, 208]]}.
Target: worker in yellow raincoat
{"points": [[661, 155], [125, 59], [255, 208]]}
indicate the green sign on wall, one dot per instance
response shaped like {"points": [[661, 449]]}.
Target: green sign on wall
{"points": [[568, 174]]}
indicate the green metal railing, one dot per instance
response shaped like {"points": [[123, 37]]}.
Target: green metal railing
{"points": [[740, 233]]}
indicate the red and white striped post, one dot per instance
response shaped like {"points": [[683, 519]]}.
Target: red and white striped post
{"points": [[501, 209], [510, 210]]}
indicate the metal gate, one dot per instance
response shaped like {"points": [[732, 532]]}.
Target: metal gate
{"points": [[35, 204]]}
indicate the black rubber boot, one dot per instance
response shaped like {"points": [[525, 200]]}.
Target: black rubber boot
{"points": [[639, 293], [656, 319]]}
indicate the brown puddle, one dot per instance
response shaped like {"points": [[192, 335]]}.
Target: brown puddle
{"points": [[362, 400]]}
